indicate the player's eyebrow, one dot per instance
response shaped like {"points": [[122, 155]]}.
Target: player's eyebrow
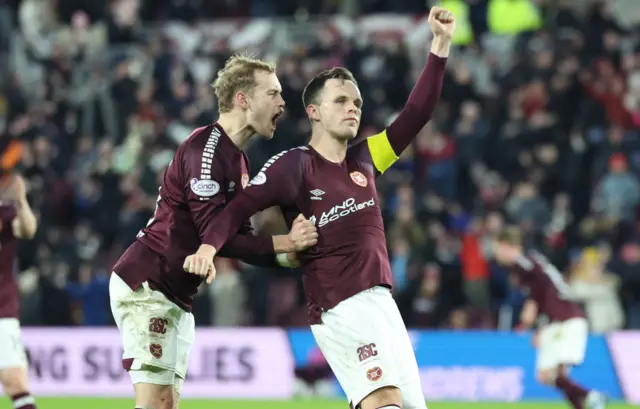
{"points": [[342, 98]]}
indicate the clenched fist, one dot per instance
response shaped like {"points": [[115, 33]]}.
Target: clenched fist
{"points": [[442, 22], [303, 233], [201, 263]]}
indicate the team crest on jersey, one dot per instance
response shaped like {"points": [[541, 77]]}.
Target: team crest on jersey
{"points": [[204, 188], [156, 350], [244, 180], [374, 374], [359, 179]]}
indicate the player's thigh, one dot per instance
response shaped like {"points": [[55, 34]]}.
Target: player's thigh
{"points": [[150, 327], [550, 345], [575, 333], [406, 363], [13, 358], [358, 346]]}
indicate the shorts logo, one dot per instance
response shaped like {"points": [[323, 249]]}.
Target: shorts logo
{"points": [[244, 180], [158, 325], [204, 188], [259, 179], [359, 179], [366, 351], [374, 374], [156, 350]]}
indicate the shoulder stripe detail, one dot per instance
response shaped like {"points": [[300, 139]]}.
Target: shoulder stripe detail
{"points": [[524, 263], [382, 152], [208, 153], [260, 177]]}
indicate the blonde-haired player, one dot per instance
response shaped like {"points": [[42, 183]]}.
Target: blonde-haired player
{"points": [[151, 295]]}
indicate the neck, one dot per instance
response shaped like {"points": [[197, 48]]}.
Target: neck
{"points": [[332, 149], [235, 125]]}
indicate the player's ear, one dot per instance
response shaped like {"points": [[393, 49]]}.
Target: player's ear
{"points": [[242, 100], [313, 112]]}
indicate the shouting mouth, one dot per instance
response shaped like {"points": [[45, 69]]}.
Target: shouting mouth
{"points": [[275, 118]]}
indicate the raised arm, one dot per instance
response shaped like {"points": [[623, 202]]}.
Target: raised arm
{"points": [[389, 144], [25, 224]]}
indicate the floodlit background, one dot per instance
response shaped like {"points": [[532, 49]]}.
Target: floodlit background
{"points": [[538, 125]]}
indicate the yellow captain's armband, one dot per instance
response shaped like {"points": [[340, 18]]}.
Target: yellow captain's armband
{"points": [[381, 151]]}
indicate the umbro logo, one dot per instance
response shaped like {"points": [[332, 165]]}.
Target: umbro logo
{"points": [[316, 194], [232, 186]]}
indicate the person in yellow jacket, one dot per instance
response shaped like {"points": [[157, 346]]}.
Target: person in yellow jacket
{"points": [[460, 9], [512, 17]]}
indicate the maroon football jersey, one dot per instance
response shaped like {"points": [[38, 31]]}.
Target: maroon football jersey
{"points": [[340, 198], [545, 285], [205, 173], [9, 295]]}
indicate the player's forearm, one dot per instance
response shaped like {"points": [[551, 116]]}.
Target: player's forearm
{"points": [[225, 226], [441, 46], [251, 249], [529, 314], [282, 244], [420, 105], [27, 221]]}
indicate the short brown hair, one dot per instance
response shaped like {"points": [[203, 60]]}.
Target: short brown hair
{"points": [[313, 88], [238, 74], [510, 235]]}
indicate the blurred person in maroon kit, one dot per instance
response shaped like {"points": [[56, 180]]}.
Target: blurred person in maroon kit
{"points": [[562, 343], [17, 221]]}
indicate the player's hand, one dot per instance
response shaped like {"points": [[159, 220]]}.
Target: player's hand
{"points": [[442, 22], [303, 233], [201, 264]]}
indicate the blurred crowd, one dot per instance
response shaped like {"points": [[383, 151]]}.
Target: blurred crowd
{"points": [[538, 127]]}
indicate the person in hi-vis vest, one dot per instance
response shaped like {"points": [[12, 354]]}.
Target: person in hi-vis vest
{"points": [[460, 9], [513, 16]]}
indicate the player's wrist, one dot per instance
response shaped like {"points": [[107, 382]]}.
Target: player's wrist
{"points": [[207, 250], [287, 260], [441, 45], [283, 244]]}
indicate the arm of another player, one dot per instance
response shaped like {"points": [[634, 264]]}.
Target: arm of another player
{"points": [[277, 183], [528, 314], [388, 145], [240, 245], [202, 175], [24, 225]]}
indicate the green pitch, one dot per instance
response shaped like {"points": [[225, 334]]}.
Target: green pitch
{"points": [[97, 403]]}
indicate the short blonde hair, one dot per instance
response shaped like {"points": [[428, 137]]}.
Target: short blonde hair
{"points": [[238, 74]]}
